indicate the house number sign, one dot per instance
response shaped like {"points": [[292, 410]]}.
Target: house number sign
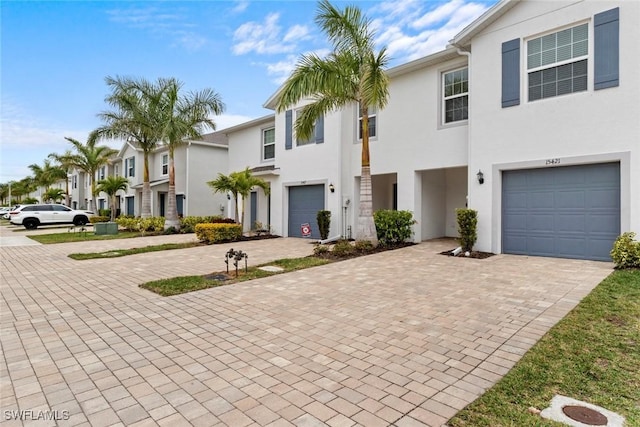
{"points": [[552, 162]]}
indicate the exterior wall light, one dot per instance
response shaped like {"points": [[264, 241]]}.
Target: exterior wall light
{"points": [[480, 176], [332, 188]]}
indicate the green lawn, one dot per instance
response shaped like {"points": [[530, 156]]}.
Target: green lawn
{"points": [[183, 284], [68, 237], [592, 355], [124, 252]]}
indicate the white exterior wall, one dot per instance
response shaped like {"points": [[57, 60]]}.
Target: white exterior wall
{"points": [[203, 165], [585, 127]]}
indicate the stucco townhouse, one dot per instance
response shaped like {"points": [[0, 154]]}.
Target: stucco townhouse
{"points": [[196, 163], [529, 116]]}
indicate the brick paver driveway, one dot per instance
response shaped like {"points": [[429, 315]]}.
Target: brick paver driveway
{"points": [[399, 338]]}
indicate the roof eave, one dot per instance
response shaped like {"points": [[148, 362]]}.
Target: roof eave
{"points": [[463, 38]]}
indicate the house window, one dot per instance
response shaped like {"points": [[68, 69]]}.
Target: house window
{"points": [[74, 181], [557, 63], [373, 115], [165, 164], [455, 88], [101, 173], [116, 170], [268, 144], [130, 167]]}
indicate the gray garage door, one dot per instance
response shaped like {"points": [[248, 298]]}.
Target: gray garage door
{"points": [[304, 203], [564, 212]]}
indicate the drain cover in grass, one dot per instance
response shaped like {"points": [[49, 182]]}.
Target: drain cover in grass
{"points": [[575, 413]]}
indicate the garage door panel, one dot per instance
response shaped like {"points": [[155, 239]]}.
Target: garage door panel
{"points": [[571, 223], [570, 199], [540, 200], [540, 223], [571, 212]]}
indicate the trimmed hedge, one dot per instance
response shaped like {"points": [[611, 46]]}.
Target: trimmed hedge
{"points": [[96, 218], [188, 223], [467, 228], [218, 233], [155, 223], [393, 227]]}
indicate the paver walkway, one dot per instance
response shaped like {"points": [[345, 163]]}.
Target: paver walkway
{"points": [[399, 338]]}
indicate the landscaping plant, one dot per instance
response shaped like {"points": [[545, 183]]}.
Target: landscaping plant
{"points": [[324, 223], [626, 251], [467, 228], [393, 227]]}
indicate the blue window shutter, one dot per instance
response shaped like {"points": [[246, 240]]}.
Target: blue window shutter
{"points": [[606, 43], [133, 166], [511, 73], [319, 130], [288, 129]]}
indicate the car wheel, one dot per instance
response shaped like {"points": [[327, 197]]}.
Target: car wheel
{"points": [[30, 224], [80, 220]]}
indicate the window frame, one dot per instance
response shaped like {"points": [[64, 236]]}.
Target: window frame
{"points": [[130, 167], [373, 113], [444, 98], [164, 159], [588, 57], [264, 144]]}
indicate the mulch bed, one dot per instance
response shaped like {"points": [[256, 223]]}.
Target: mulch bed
{"points": [[472, 254], [333, 257]]}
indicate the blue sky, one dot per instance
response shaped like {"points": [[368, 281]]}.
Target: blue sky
{"points": [[56, 54]]}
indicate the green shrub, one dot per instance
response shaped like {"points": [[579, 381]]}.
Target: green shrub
{"points": [[363, 246], [320, 250], [188, 223], [94, 219], [467, 228], [218, 233], [626, 251], [324, 223], [104, 212], [29, 201], [343, 248], [142, 225], [393, 227]]}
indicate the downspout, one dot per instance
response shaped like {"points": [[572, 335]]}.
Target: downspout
{"points": [[185, 202], [468, 55]]}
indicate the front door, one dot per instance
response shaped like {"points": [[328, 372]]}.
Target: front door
{"points": [[163, 203], [254, 209]]}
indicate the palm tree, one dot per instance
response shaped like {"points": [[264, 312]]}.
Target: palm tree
{"points": [[21, 188], [186, 116], [53, 194], [111, 185], [138, 110], [239, 184], [353, 73], [47, 175], [4, 194], [90, 157], [65, 163]]}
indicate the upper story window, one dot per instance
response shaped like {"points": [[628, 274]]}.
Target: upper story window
{"points": [[74, 181], [557, 63], [116, 170], [268, 144], [373, 116], [455, 88], [165, 164], [102, 172], [130, 167]]}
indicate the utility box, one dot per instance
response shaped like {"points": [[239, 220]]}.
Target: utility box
{"points": [[100, 228]]}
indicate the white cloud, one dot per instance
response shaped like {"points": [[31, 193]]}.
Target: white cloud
{"points": [[240, 6], [281, 70], [439, 14], [227, 120], [266, 38]]}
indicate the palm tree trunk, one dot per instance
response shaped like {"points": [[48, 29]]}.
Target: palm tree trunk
{"points": [[113, 207], [237, 200], [172, 219], [67, 196], [146, 189], [92, 204], [366, 227]]}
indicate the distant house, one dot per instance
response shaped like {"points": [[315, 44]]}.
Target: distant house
{"points": [[529, 117]]}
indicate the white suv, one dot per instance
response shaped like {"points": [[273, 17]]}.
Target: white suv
{"points": [[31, 216]]}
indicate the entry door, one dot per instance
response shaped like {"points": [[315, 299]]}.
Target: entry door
{"points": [[163, 203], [130, 206], [254, 209]]}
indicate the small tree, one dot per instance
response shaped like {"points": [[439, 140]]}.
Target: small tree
{"points": [[239, 184], [467, 228], [324, 223], [111, 185], [53, 194]]}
